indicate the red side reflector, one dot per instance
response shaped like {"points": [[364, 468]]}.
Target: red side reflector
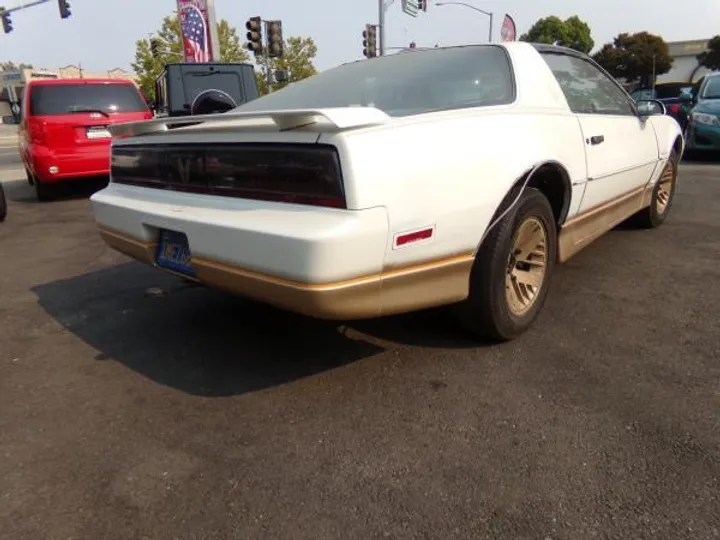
{"points": [[674, 108], [414, 236]]}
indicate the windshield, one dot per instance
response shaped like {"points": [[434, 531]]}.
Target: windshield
{"points": [[57, 99], [405, 83], [641, 95], [712, 88], [673, 90], [664, 91]]}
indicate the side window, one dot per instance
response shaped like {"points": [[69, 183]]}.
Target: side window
{"points": [[587, 89]]}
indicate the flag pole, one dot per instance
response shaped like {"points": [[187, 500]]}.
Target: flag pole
{"points": [[214, 36]]}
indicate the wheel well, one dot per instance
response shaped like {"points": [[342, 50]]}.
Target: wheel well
{"points": [[553, 181], [677, 146]]}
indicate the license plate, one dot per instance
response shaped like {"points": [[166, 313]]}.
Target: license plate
{"points": [[98, 133], [173, 252]]}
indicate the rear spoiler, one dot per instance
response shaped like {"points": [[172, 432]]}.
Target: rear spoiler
{"points": [[340, 117]]}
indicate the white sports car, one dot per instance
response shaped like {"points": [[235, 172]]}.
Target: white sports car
{"points": [[449, 176]]}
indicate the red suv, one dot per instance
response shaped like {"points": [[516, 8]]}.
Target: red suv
{"points": [[63, 127]]}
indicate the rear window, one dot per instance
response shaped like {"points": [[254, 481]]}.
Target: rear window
{"points": [[56, 99], [405, 83]]}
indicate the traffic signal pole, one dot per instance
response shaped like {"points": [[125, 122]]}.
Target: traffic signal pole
{"points": [[26, 5]]}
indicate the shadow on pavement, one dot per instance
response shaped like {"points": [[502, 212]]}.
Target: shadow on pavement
{"points": [[194, 339], [20, 191], [711, 158], [209, 343]]}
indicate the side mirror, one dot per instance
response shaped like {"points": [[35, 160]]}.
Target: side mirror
{"points": [[650, 107]]}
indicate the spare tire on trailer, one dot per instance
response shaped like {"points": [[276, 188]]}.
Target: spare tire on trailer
{"points": [[211, 102], [3, 204]]}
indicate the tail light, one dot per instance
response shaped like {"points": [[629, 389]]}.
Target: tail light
{"points": [[36, 131], [675, 108], [293, 173]]}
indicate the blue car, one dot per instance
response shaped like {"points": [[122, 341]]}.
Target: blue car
{"points": [[703, 128]]}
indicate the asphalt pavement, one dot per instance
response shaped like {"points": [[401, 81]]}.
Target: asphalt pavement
{"points": [[9, 157], [134, 405]]}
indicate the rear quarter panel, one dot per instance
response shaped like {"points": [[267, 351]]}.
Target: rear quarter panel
{"points": [[451, 171]]}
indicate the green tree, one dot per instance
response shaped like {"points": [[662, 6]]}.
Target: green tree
{"points": [[149, 68], [711, 58], [635, 57], [572, 32], [297, 62], [12, 66]]}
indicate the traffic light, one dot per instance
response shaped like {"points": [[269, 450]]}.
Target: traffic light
{"points": [[6, 22], [254, 35], [422, 5], [155, 45], [370, 41], [64, 7], [275, 39]]}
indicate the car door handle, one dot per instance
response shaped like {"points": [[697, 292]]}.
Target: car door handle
{"points": [[597, 139]]}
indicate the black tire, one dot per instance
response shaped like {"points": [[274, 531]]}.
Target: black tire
{"points": [[3, 204], [656, 214], [487, 312], [30, 178], [44, 192]]}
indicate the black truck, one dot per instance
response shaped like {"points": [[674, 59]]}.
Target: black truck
{"points": [[184, 89]]}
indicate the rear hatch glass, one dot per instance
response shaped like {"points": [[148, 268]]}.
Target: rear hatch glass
{"points": [[61, 99]]}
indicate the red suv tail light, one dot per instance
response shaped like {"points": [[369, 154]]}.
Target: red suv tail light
{"points": [[36, 131]]}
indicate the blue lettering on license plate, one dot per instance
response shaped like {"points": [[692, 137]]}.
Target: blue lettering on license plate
{"points": [[173, 252]]}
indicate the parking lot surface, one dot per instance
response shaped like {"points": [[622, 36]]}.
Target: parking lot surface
{"points": [[133, 405]]}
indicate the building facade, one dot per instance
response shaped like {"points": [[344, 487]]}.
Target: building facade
{"points": [[685, 66]]}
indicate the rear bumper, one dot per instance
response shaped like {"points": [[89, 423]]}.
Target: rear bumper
{"points": [[324, 263], [68, 163]]}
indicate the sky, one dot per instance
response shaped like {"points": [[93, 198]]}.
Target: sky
{"points": [[101, 34]]}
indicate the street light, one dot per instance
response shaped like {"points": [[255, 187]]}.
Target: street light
{"points": [[473, 8]]}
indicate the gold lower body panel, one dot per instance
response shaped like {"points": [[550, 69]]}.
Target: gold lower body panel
{"points": [[395, 291]]}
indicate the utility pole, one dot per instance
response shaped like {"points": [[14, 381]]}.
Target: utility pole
{"points": [[381, 27], [653, 74]]}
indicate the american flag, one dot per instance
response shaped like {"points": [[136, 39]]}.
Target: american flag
{"points": [[194, 32]]}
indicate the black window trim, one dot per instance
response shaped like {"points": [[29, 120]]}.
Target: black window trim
{"points": [[564, 51]]}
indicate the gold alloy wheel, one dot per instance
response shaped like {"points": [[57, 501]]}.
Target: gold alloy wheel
{"points": [[665, 187], [526, 266]]}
